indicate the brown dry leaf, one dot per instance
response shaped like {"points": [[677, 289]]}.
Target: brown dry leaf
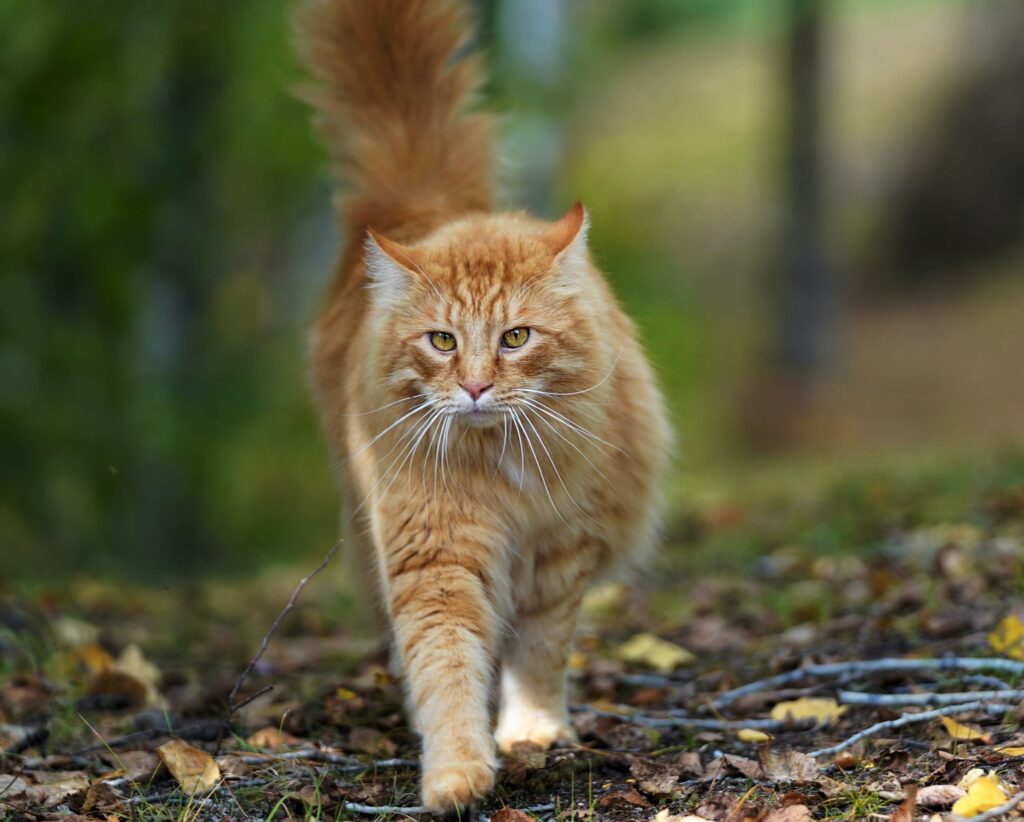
{"points": [[788, 766], [371, 741], [791, 813], [271, 737], [58, 788], [511, 815], [622, 799], [647, 649], [101, 797], [985, 793], [12, 787], [138, 766], [688, 764], [654, 778], [964, 733], [939, 796], [905, 812], [823, 710], [194, 769], [748, 767]]}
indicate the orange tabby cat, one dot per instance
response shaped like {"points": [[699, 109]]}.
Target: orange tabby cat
{"points": [[501, 435]]}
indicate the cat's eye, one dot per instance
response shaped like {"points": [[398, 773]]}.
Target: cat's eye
{"points": [[515, 338], [442, 341]]}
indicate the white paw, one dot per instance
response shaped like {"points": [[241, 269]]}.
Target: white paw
{"points": [[539, 727]]}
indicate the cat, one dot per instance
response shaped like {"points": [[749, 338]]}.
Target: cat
{"points": [[501, 438]]}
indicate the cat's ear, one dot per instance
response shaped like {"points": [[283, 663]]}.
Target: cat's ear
{"points": [[390, 266], [567, 237]]}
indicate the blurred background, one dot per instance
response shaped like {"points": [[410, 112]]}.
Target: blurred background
{"points": [[813, 208]]}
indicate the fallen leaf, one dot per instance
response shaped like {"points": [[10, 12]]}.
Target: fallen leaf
{"points": [[905, 812], [510, 815], [791, 813], [751, 735], [622, 799], [654, 778], [986, 793], [823, 710], [939, 796], [12, 787], [194, 769], [1008, 637], [1010, 751], [371, 741], [969, 778], [788, 766], [131, 662], [271, 737], [101, 797], [647, 649], [964, 733], [664, 816], [58, 788], [748, 767]]}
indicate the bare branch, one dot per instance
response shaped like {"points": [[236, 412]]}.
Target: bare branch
{"points": [[910, 719], [859, 698], [835, 669], [231, 705]]}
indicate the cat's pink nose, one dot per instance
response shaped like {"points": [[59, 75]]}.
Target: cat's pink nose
{"points": [[475, 389]]}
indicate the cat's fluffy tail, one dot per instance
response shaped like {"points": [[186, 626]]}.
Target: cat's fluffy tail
{"points": [[391, 91]]}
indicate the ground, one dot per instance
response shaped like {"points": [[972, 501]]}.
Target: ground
{"points": [[798, 567]]}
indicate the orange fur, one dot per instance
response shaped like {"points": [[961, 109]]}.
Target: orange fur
{"points": [[491, 484]]}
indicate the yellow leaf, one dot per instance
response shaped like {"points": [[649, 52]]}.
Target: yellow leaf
{"points": [[132, 663], [750, 735], [964, 733], [823, 710], [1010, 751], [577, 661], [194, 769], [647, 649], [986, 793], [1008, 637]]}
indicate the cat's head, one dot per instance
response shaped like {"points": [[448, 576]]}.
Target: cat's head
{"points": [[490, 312]]}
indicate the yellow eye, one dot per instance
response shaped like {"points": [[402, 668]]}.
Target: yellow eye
{"points": [[442, 341], [515, 338]]}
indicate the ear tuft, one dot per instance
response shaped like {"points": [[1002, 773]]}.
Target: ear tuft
{"points": [[387, 266], [568, 234]]}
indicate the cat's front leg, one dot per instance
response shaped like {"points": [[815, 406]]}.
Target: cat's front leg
{"points": [[533, 706], [445, 632]]}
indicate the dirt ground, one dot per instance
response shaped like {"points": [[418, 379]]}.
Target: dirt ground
{"points": [[873, 615]]}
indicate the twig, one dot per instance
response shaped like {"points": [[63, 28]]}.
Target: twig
{"points": [[870, 667], [859, 698], [909, 719], [316, 755], [231, 706], [375, 810], [998, 811], [676, 721]]}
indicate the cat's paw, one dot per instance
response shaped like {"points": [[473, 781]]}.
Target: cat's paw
{"points": [[539, 728], [455, 786]]}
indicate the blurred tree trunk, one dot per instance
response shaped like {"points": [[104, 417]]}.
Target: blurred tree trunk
{"points": [[805, 289]]}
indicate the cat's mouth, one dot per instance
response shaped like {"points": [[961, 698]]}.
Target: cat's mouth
{"points": [[480, 417]]}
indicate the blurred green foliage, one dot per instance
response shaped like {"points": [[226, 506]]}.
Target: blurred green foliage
{"points": [[167, 230]]}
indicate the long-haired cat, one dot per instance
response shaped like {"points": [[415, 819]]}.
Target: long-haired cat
{"points": [[501, 437]]}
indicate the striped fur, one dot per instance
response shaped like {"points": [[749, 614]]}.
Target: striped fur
{"points": [[486, 522]]}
